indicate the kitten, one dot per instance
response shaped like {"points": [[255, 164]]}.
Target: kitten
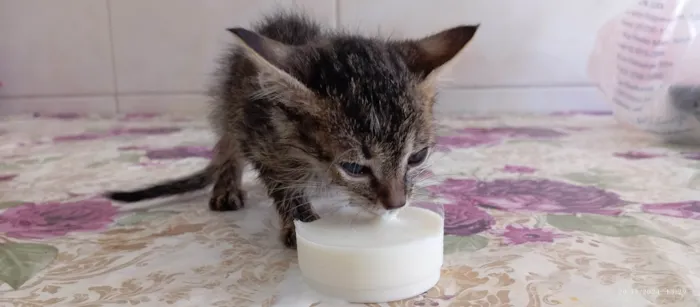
{"points": [[307, 106]]}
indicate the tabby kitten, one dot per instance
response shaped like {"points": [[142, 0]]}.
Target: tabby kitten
{"points": [[307, 106]]}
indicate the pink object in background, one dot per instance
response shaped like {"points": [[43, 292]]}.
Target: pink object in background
{"points": [[643, 52]]}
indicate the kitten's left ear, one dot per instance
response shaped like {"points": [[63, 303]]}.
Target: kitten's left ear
{"points": [[272, 58], [426, 55], [266, 51]]}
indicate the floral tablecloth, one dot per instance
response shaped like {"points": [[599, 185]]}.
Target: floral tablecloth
{"points": [[568, 209]]}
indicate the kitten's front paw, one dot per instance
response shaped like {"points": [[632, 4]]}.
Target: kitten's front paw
{"points": [[227, 201], [308, 216], [289, 237], [289, 234]]}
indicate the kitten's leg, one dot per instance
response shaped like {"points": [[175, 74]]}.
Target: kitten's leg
{"points": [[291, 204], [227, 194], [292, 207]]}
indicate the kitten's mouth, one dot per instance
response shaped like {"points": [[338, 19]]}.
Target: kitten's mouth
{"points": [[390, 215], [381, 211], [374, 210]]}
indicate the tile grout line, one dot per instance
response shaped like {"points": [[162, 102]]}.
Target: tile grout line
{"points": [[114, 57], [203, 92], [337, 14]]}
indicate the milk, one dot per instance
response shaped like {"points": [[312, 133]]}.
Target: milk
{"points": [[368, 259]]}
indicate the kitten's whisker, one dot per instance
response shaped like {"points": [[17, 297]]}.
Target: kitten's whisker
{"points": [[281, 188], [423, 194], [292, 187], [352, 220], [292, 209]]}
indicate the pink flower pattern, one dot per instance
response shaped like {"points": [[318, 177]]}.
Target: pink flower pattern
{"points": [[692, 155], [78, 137], [530, 195], [518, 169], [514, 235], [464, 141], [686, 210], [55, 219], [116, 132], [514, 132], [472, 137], [589, 113], [138, 116], [61, 116], [636, 155], [464, 219], [132, 147], [7, 177], [179, 152]]}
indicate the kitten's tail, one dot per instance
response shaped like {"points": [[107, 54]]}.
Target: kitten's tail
{"points": [[191, 183]]}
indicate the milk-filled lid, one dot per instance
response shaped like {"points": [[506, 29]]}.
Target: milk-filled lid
{"points": [[355, 228]]}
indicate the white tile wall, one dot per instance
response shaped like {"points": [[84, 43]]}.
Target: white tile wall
{"points": [[157, 55], [171, 46], [52, 48], [519, 43]]}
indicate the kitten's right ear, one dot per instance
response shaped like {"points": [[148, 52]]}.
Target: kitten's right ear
{"points": [[271, 58], [426, 55]]}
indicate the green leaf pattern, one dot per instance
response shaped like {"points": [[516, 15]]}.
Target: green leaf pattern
{"points": [[454, 244], [19, 262], [612, 226]]}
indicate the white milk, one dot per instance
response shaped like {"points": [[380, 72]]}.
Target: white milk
{"points": [[367, 259]]}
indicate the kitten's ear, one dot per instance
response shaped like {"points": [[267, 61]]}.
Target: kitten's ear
{"points": [[426, 55], [272, 58], [266, 50]]}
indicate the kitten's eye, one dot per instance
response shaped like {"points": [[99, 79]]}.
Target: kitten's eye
{"points": [[418, 157], [354, 169]]}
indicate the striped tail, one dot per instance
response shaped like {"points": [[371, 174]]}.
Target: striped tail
{"points": [[191, 183]]}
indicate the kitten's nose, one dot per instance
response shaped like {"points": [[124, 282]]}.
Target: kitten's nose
{"points": [[394, 202], [393, 195]]}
